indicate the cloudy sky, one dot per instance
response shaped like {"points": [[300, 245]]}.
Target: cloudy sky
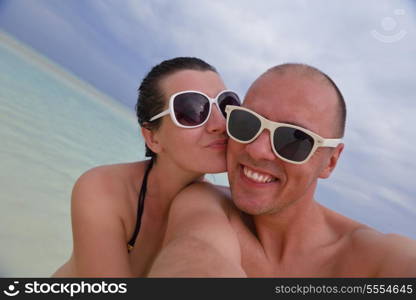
{"points": [[367, 47]]}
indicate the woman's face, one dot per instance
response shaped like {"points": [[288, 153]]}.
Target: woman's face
{"points": [[202, 149]]}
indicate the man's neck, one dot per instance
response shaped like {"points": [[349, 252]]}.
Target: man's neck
{"points": [[296, 231]]}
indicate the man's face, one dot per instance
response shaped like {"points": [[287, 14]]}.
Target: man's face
{"points": [[308, 102]]}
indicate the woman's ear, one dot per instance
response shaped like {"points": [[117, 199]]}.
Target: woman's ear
{"points": [[151, 139]]}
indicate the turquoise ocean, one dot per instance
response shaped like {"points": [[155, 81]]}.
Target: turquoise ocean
{"points": [[53, 128]]}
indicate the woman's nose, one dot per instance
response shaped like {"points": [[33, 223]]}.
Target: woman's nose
{"points": [[216, 121]]}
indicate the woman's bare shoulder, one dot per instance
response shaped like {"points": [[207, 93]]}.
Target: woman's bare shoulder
{"points": [[107, 189], [113, 171], [110, 178]]}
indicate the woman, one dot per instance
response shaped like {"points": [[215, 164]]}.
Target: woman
{"points": [[119, 212]]}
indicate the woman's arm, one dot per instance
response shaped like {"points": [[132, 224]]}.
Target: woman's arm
{"points": [[99, 237]]}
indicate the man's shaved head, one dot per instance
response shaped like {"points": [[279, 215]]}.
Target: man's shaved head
{"points": [[303, 70]]}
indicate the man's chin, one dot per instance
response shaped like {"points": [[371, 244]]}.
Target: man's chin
{"points": [[248, 206]]}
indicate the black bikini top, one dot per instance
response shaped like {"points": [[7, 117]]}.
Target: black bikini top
{"points": [[140, 206]]}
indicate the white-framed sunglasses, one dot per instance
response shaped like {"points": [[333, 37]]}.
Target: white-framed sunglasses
{"points": [[191, 109], [290, 143]]}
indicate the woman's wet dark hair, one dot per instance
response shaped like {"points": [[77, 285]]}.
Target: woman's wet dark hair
{"points": [[151, 100]]}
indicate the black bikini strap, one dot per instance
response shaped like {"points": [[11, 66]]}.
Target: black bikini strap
{"points": [[140, 205]]}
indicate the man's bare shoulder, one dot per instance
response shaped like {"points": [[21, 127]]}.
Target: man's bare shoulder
{"points": [[363, 251], [366, 237], [393, 254], [204, 196]]}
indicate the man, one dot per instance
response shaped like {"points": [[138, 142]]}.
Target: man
{"points": [[282, 230]]}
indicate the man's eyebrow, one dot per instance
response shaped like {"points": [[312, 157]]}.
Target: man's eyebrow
{"points": [[290, 122], [295, 124]]}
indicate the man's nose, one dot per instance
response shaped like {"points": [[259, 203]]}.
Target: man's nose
{"points": [[260, 148], [216, 121]]}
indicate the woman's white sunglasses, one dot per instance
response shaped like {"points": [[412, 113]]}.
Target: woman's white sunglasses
{"points": [[190, 109]]}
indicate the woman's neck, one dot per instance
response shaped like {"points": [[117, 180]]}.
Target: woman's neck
{"points": [[165, 181]]}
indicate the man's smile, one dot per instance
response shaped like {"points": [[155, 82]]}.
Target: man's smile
{"points": [[257, 176]]}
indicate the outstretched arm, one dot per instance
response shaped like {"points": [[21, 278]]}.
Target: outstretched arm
{"points": [[200, 241]]}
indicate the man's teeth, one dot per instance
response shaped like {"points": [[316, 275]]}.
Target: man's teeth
{"points": [[261, 178]]}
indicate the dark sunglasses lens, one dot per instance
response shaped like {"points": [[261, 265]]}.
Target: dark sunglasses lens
{"points": [[243, 125], [191, 109], [227, 98], [292, 144]]}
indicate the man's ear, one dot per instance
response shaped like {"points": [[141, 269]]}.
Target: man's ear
{"points": [[151, 139], [326, 172]]}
